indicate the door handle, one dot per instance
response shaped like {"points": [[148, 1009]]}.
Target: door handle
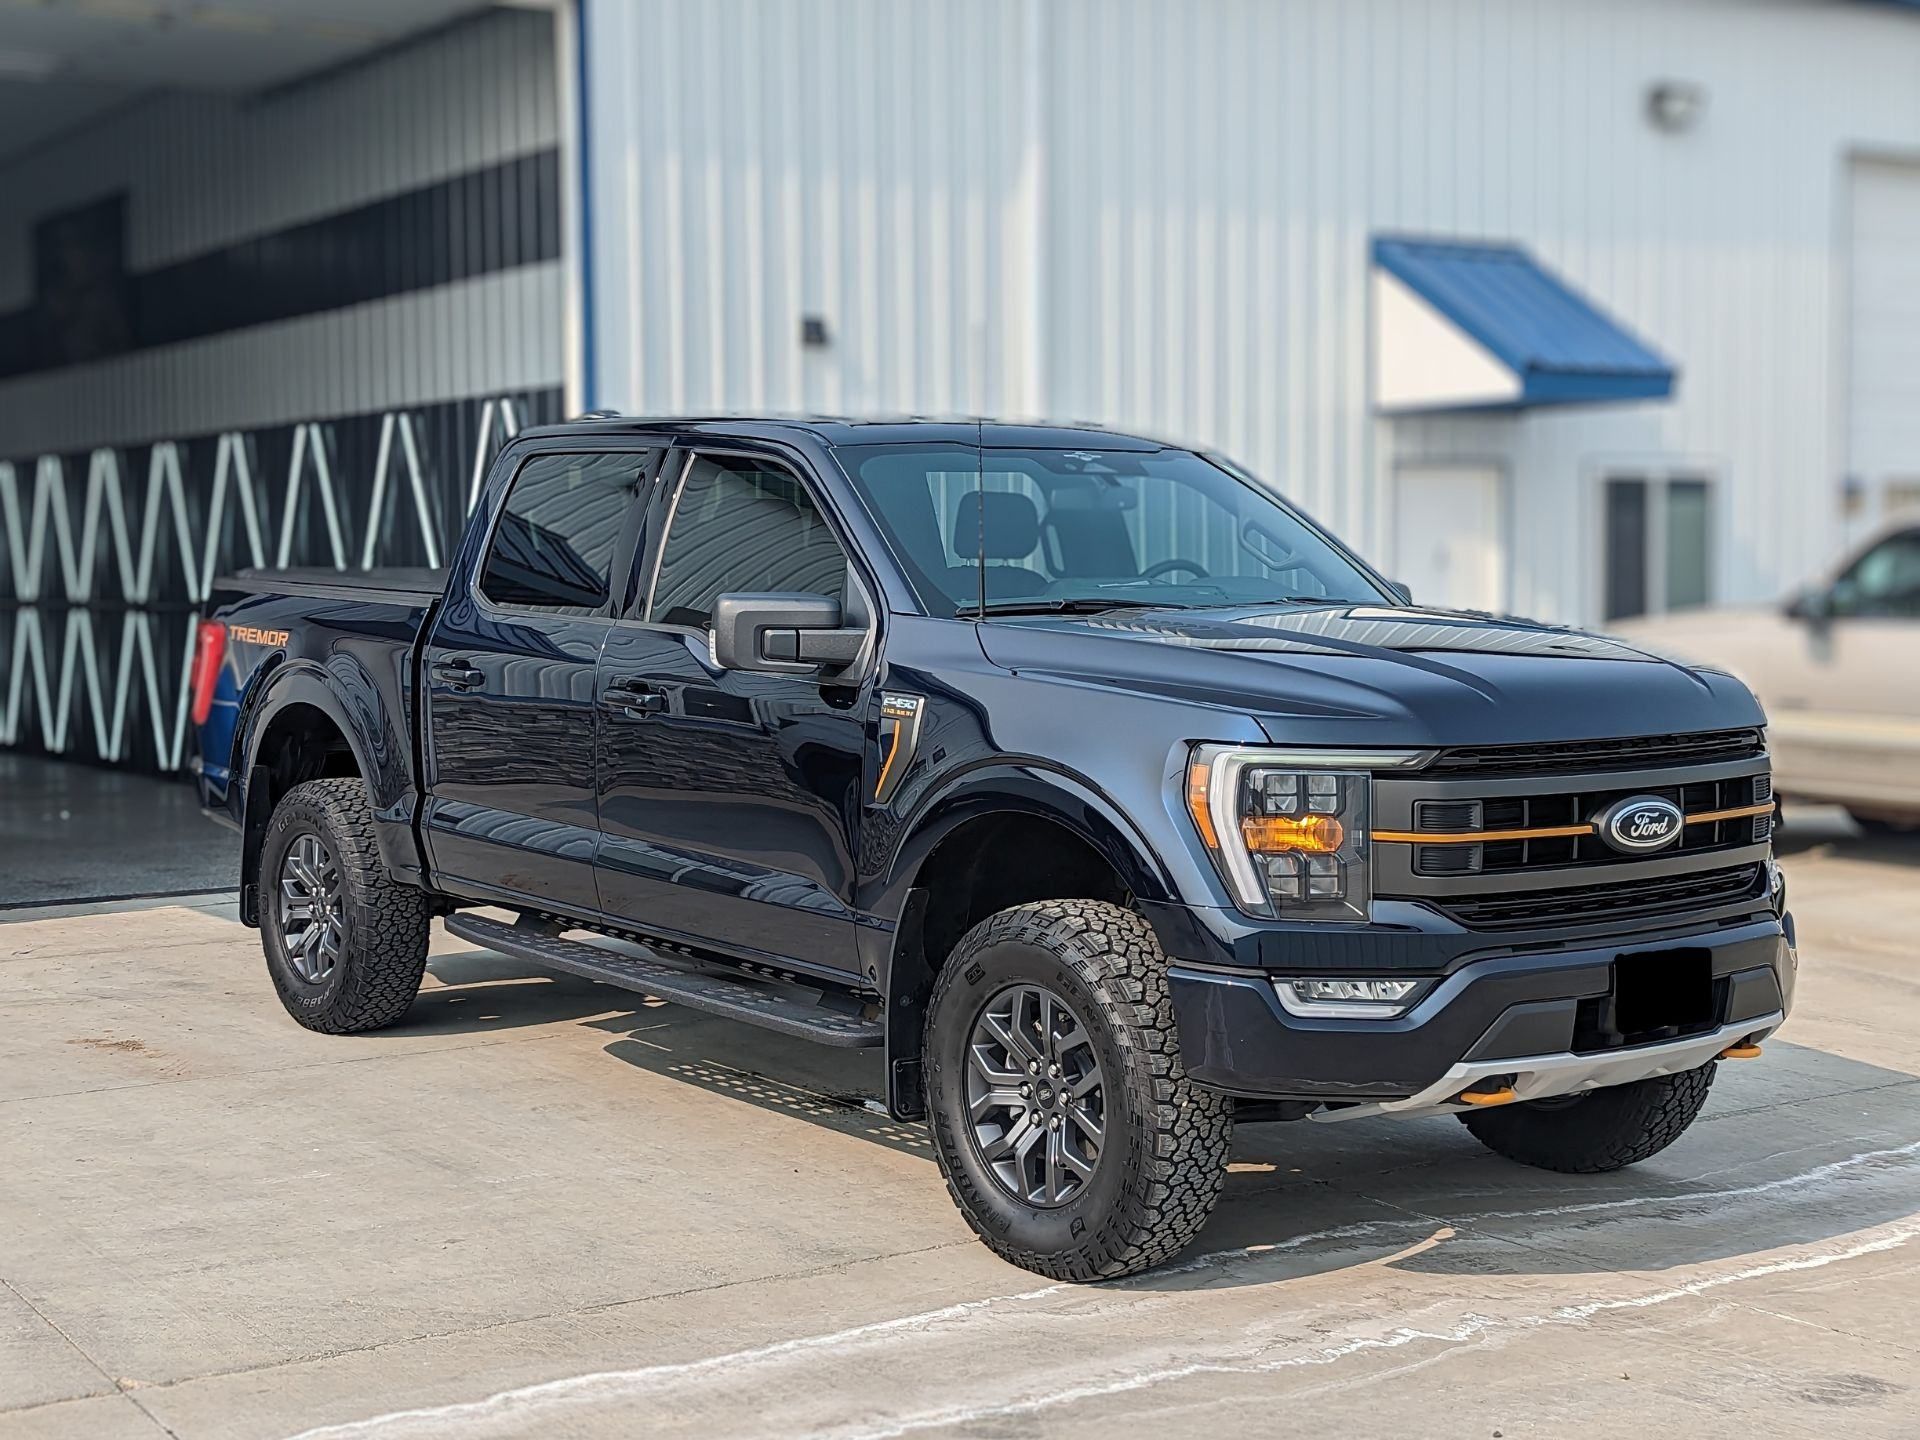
{"points": [[458, 674], [635, 698]]}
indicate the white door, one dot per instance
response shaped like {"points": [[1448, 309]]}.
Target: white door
{"points": [[1450, 544], [1883, 334]]}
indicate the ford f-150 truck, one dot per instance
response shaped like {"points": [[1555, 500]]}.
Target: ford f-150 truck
{"points": [[1098, 788]]}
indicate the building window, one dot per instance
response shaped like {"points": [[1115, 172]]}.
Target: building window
{"points": [[1658, 538]]}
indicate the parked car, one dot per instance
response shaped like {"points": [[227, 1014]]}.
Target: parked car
{"points": [[1837, 667], [1103, 793]]}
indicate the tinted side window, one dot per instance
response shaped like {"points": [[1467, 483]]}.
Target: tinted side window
{"points": [[1884, 581], [739, 525], [554, 545]]}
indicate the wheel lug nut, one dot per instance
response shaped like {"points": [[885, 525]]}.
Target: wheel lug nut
{"points": [[1054, 1071], [1026, 1089], [1054, 1123], [1033, 1067]]}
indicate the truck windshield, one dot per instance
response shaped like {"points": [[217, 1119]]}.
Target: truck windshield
{"points": [[1083, 530]]}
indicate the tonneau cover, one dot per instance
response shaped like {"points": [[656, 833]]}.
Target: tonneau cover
{"points": [[399, 585]]}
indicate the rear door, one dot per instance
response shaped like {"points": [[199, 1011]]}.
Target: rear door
{"points": [[510, 664], [729, 801]]}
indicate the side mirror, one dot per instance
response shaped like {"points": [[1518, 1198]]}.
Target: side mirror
{"points": [[783, 633], [1814, 604], [1404, 591]]}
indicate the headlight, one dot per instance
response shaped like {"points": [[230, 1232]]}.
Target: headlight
{"points": [[1331, 997], [1287, 829]]}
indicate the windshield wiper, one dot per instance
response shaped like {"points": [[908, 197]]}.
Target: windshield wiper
{"points": [[1076, 605]]}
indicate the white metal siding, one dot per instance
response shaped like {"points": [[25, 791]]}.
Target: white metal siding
{"points": [[200, 173], [1157, 216], [1883, 326]]}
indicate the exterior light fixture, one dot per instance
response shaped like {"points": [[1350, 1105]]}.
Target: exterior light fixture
{"points": [[1675, 106]]}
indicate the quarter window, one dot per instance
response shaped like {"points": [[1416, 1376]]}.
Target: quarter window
{"points": [[740, 524], [554, 546]]}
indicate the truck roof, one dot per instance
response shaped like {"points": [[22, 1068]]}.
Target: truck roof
{"points": [[845, 430]]}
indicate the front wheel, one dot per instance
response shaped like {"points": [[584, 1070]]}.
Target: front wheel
{"points": [[1597, 1131], [1067, 1130], [346, 944]]}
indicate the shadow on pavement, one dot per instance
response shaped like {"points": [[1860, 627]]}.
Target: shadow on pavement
{"points": [[68, 832], [480, 991], [1803, 1147], [1423, 1195]]}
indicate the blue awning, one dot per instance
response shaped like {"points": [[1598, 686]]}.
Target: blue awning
{"points": [[1464, 325]]}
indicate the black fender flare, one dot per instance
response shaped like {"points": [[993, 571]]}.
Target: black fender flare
{"points": [[1033, 788], [288, 683]]}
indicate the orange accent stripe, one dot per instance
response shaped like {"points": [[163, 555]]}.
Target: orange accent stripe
{"points": [[1707, 817], [1474, 837], [880, 785]]}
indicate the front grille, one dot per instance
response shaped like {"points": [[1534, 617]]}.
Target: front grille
{"points": [[1572, 808], [1585, 756], [1620, 900]]}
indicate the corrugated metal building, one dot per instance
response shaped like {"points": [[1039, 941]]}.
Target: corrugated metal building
{"points": [[247, 322], [1164, 217], [1577, 308]]}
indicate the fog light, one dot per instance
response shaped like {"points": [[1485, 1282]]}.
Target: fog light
{"points": [[1332, 997]]}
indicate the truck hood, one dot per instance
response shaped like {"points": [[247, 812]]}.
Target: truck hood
{"points": [[1377, 675]]}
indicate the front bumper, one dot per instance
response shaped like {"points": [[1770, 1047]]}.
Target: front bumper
{"points": [[1505, 1014]]}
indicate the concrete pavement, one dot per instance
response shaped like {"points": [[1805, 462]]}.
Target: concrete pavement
{"points": [[544, 1207]]}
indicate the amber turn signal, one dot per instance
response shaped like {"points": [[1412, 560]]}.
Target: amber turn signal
{"points": [[1311, 834], [1198, 775]]}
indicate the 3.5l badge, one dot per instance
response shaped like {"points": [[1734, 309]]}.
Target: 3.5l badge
{"points": [[899, 738]]}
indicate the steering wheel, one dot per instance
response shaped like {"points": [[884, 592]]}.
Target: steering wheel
{"points": [[1167, 567]]}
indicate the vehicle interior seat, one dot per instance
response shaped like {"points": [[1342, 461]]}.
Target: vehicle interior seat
{"points": [[1003, 526]]}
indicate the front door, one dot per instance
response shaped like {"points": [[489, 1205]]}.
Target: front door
{"points": [[1449, 536], [510, 664], [729, 801]]}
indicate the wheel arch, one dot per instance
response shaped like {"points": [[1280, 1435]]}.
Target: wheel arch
{"points": [[300, 729], [994, 838]]}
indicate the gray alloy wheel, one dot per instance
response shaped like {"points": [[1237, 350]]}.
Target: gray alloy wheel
{"points": [[312, 912], [1036, 1096]]}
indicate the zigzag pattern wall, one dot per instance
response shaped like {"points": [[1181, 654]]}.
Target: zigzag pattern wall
{"points": [[108, 578]]}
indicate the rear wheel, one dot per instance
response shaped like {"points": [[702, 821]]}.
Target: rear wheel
{"points": [[1067, 1130], [346, 945], [1597, 1131]]}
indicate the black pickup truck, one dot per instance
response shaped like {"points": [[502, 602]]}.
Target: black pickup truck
{"points": [[1100, 789]]}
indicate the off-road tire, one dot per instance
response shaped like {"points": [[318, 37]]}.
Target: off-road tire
{"points": [[387, 925], [1602, 1130], [1167, 1139]]}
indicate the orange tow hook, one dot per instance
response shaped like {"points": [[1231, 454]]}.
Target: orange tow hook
{"points": [[1501, 1096], [1743, 1051]]}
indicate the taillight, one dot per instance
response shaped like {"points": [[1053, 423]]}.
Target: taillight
{"points": [[209, 649]]}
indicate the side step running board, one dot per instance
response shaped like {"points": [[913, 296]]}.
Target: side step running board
{"points": [[746, 1000]]}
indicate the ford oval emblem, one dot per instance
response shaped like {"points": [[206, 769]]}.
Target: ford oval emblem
{"points": [[1641, 823]]}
